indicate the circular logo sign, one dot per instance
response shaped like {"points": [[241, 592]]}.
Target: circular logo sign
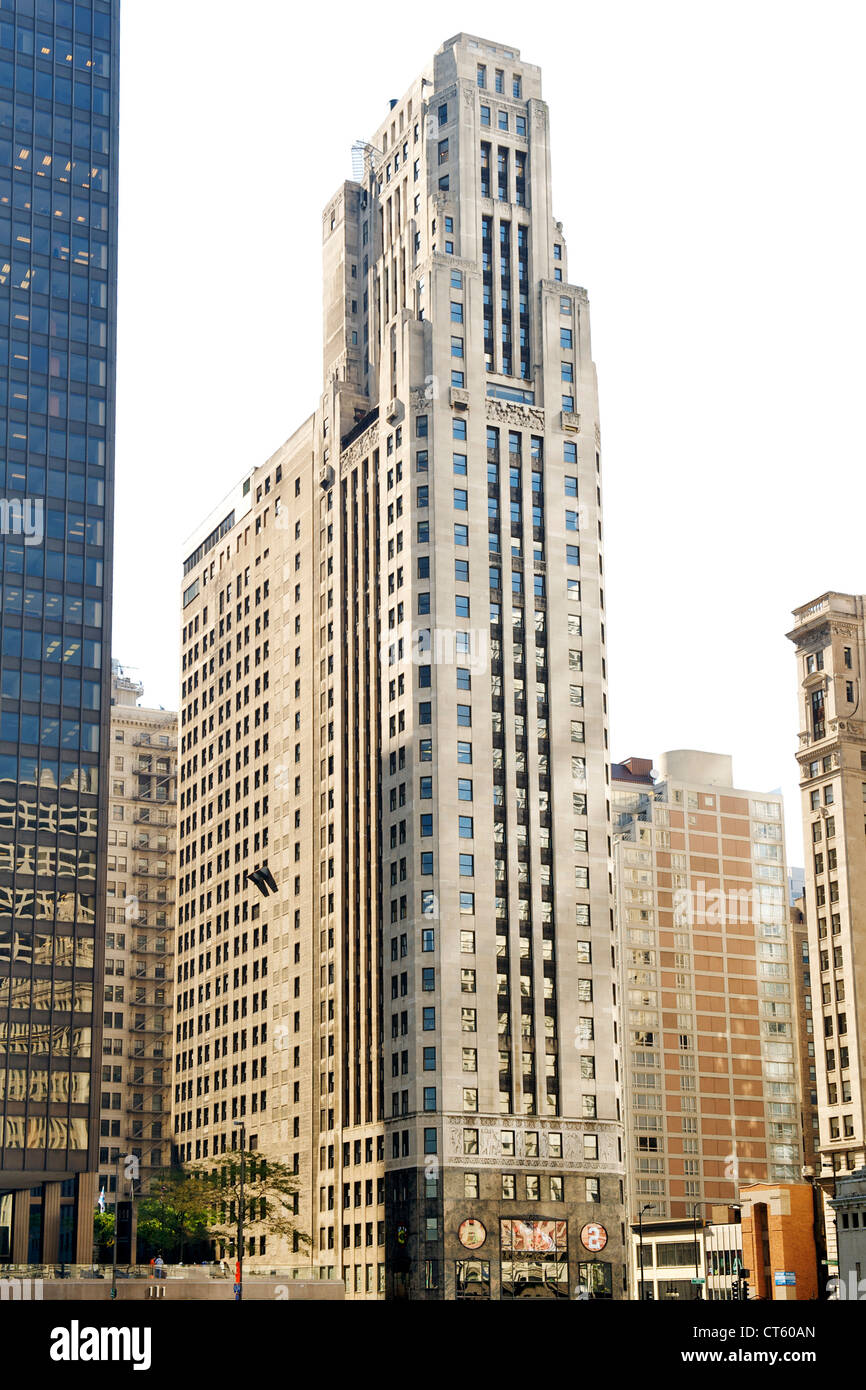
{"points": [[593, 1236], [471, 1234], [402, 1233]]}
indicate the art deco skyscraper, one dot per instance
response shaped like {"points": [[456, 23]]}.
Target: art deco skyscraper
{"points": [[58, 220], [831, 652], [394, 691]]}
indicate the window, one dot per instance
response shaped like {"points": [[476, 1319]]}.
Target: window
{"points": [[464, 715], [461, 499], [456, 347], [566, 338], [467, 865], [465, 827], [461, 534], [485, 115], [464, 788], [456, 312], [461, 571], [464, 753]]}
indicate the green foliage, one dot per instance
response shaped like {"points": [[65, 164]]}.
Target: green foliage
{"points": [[172, 1216], [270, 1193], [185, 1209], [103, 1232]]}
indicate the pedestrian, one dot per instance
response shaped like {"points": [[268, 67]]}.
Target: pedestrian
{"points": [[160, 1267]]}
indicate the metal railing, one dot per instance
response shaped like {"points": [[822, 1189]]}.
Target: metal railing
{"points": [[206, 1270]]}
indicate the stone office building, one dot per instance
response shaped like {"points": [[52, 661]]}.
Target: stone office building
{"points": [[394, 694]]}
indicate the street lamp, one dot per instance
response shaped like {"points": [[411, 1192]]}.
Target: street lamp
{"points": [[695, 1206], [649, 1207], [116, 1225], [241, 1125]]}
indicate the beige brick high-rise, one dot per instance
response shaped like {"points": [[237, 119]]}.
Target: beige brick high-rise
{"points": [[135, 1094], [831, 658], [394, 692], [710, 1026]]}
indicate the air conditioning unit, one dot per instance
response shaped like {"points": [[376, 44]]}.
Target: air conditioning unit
{"points": [[326, 476], [392, 414]]}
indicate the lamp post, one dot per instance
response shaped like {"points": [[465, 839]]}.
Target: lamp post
{"points": [[649, 1207], [695, 1206], [241, 1125], [116, 1225], [737, 1260]]}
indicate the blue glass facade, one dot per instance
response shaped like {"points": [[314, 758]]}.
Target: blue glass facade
{"points": [[58, 240]]}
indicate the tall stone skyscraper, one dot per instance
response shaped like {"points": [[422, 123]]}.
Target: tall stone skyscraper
{"points": [[394, 693], [830, 640], [58, 229]]}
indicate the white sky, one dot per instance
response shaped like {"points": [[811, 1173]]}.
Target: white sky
{"points": [[708, 169]]}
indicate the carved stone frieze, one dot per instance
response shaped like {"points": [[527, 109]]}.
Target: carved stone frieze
{"points": [[358, 448], [513, 413]]}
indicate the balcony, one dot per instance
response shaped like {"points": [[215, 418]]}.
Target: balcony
{"points": [[150, 815], [156, 741], [157, 795]]}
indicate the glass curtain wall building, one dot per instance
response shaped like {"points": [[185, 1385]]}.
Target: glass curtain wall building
{"points": [[58, 238]]}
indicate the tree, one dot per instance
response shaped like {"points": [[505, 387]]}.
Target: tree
{"points": [[173, 1214], [103, 1233], [270, 1198]]}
